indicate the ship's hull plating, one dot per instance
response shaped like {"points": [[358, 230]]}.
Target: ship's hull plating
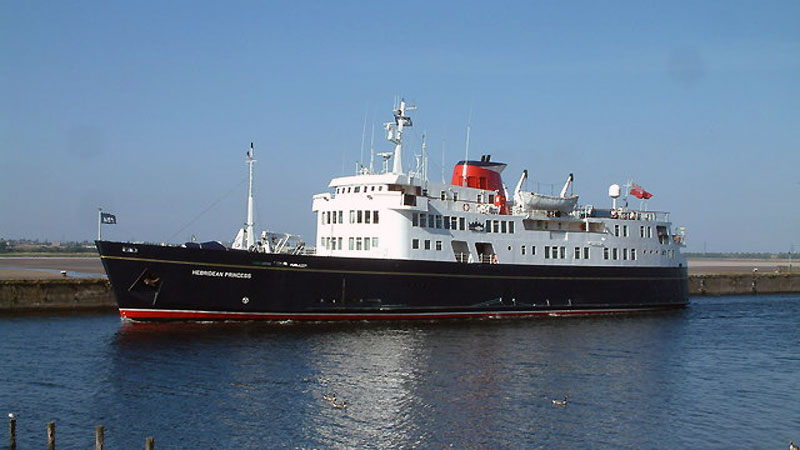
{"points": [[173, 283]]}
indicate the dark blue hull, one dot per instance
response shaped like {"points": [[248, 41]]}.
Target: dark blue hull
{"points": [[154, 282]]}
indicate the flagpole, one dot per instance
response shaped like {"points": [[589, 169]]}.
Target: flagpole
{"points": [[99, 220]]}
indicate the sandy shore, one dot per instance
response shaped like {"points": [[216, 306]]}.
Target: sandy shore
{"points": [[35, 268]]}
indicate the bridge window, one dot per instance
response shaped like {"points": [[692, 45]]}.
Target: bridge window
{"points": [[374, 216], [423, 220], [462, 223], [367, 216], [511, 227]]}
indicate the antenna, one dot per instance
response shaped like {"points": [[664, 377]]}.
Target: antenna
{"points": [[372, 149], [443, 142], [363, 133], [466, 150]]}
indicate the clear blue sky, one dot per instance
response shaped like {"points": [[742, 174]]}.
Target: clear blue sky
{"points": [[147, 108]]}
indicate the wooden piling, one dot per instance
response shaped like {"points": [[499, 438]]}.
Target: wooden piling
{"points": [[12, 432], [149, 444], [99, 437], [51, 436]]}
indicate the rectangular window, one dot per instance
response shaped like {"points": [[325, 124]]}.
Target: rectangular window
{"points": [[577, 253], [585, 252], [495, 226], [462, 223], [488, 226], [439, 222], [341, 216], [359, 216], [533, 249], [511, 227], [442, 195], [322, 217], [503, 226], [352, 216], [367, 217], [605, 253], [455, 196], [367, 241], [616, 230], [414, 243], [339, 243], [446, 222], [491, 199], [374, 242], [423, 220], [625, 230], [522, 249], [615, 253], [633, 254], [414, 220], [374, 216], [351, 243], [438, 246], [546, 252], [624, 254], [641, 231], [427, 244], [358, 243], [649, 232], [563, 252]]}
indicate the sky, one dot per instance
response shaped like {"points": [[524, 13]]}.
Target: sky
{"points": [[146, 109]]}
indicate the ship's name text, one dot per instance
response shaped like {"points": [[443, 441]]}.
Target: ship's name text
{"points": [[216, 273]]}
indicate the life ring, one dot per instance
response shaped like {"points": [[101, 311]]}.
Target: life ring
{"points": [[466, 207], [494, 259]]}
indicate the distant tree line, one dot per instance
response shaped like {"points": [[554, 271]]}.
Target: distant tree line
{"points": [[36, 246]]}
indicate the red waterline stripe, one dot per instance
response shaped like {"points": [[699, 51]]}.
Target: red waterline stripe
{"points": [[135, 314]]}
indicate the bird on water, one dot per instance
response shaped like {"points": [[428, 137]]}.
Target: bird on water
{"points": [[329, 397], [342, 405], [792, 446], [561, 402]]}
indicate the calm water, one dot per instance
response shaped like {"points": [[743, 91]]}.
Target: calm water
{"points": [[724, 373]]}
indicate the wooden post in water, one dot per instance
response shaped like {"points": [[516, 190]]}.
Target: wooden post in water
{"points": [[51, 436], [99, 437], [149, 444], [12, 432]]}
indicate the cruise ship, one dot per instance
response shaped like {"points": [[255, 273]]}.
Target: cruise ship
{"points": [[391, 244]]}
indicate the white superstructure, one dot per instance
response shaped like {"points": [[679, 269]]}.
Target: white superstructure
{"points": [[398, 215]]}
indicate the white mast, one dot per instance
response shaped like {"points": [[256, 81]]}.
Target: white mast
{"points": [[249, 237], [424, 159], [394, 134]]}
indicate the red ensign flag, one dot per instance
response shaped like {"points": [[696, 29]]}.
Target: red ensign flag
{"points": [[639, 192]]}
